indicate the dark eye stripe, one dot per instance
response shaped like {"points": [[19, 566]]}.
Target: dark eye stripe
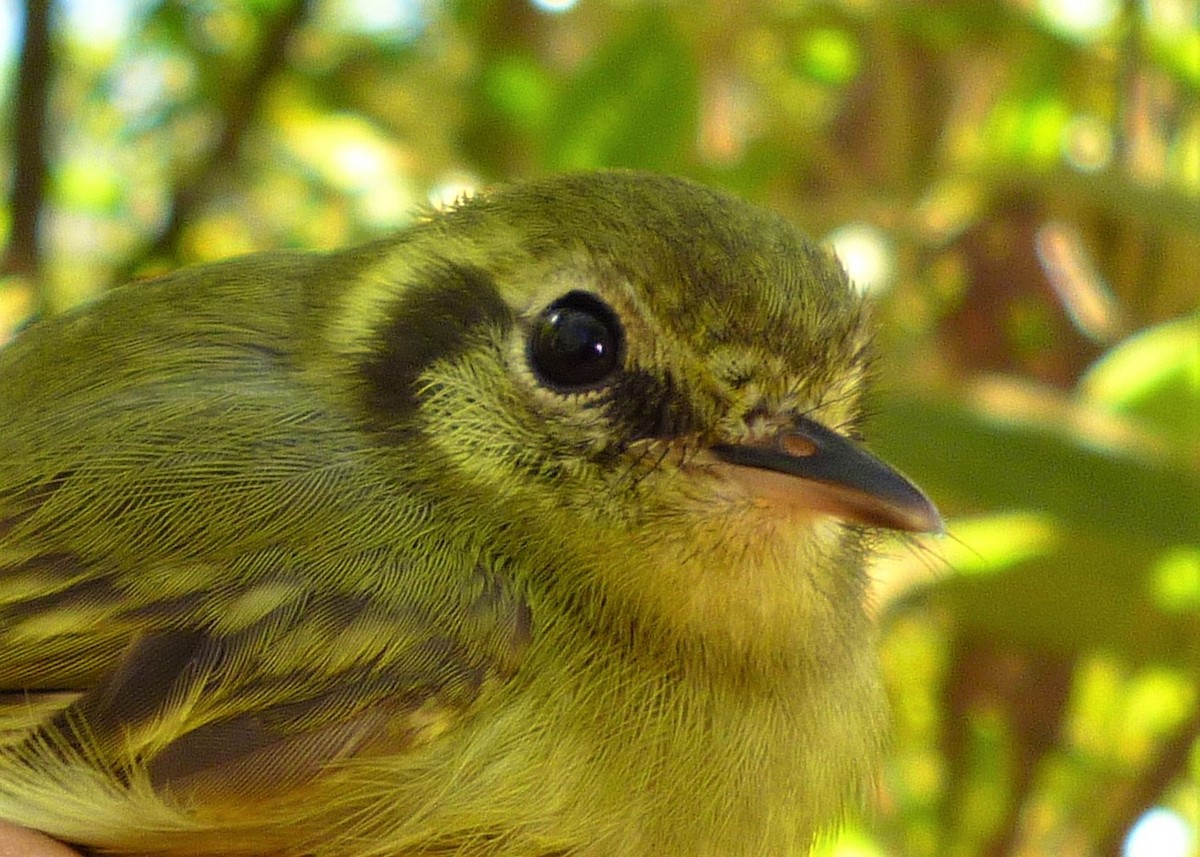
{"points": [[432, 320], [647, 405]]}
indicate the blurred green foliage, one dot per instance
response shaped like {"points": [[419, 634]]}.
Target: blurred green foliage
{"points": [[1017, 182]]}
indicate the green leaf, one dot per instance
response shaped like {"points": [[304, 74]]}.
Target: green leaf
{"points": [[520, 90], [979, 462], [633, 105], [1155, 377], [1072, 552]]}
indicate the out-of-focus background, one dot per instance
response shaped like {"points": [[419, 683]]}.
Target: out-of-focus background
{"points": [[1017, 183]]}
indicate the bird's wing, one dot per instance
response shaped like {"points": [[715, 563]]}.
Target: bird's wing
{"points": [[256, 711], [216, 585]]}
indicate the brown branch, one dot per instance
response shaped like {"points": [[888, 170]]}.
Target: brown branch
{"points": [[22, 255], [238, 113], [1169, 765], [1032, 688]]}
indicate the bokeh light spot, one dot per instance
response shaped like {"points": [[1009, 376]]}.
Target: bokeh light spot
{"points": [[1176, 580], [398, 20], [1087, 143], [451, 189], [554, 7], [1160, 832], [829, 55], [867, 255], [1081, 19]]}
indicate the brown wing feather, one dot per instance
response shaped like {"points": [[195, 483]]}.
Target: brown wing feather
{"points": [[243, 714]]}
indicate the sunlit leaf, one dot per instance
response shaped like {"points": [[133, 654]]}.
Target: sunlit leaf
{"points": [[1154, 376]]}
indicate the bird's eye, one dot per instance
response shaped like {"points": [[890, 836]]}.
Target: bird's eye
{"points": [[576, 343]]}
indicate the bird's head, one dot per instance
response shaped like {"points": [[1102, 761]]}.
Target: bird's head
{"points": [[650, 385]]}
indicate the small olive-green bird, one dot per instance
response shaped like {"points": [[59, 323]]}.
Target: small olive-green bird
{"points": [[537, 529]]}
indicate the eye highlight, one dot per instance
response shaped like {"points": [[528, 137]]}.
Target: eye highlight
{"points": [[576, 343]]}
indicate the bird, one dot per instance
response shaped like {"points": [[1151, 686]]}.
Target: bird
{"points": [[538, 528]]}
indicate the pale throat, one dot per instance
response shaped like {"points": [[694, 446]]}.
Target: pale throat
{"points": [[760, 585]]}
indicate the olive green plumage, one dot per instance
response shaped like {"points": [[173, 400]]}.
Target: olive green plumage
{"points": [[446, 544]]}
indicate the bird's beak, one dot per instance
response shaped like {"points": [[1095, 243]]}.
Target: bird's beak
{"points": [[810, 466]]}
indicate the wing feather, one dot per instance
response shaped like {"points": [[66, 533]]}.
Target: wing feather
{"points": [[210, 578]]}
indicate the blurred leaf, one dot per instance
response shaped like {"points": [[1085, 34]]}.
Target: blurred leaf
{"points": [[829, 55], [1086, 582], [520, 90], [991, 544], [1092, 593], [1154, 376], [1178, 51], [1176, 580], [633, 105], [963, 456]]}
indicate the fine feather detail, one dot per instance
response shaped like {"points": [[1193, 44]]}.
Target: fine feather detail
{"points": [[297, 557]]}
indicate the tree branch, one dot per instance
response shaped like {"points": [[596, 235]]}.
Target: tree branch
{"points": [[22, 255], [238, 113]]}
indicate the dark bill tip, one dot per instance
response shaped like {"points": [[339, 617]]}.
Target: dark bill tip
{"points": [[853, 484]]}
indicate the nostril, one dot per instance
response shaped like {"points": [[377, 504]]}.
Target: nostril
{"points": [[798, 445]]}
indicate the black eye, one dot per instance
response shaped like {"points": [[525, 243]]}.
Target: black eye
{"points": [[575, 343]]}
